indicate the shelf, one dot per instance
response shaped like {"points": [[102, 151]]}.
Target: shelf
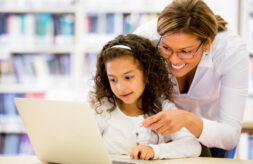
{"points": [[36, 87], [11, 124], [247, 127], [22, 88], [15, 128], [35, 50], [125, 6], [120, 10], [53, 10], [95, 42]]}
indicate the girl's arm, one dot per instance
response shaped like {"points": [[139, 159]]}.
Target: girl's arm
{"points": [[183, 144], [100, 122]]}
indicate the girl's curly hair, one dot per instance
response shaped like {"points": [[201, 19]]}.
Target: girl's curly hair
{"points": [[150, 62]]}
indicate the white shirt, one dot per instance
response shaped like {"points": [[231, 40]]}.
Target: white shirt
{"points": [[121, 132], [219, 90]]}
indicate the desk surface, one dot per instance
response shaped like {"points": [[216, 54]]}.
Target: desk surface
{"points": [[198, 160]]}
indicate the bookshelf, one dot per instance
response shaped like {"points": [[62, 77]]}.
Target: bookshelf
{"points": [[87, 27], [39, 38], [245, 146]]}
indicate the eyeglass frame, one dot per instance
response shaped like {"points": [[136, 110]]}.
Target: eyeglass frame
{"points": [[158, 47]]}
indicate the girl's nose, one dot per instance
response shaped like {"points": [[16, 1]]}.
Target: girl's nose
{"points": [[121, 86]]}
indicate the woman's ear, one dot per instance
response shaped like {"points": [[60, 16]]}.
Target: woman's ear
{"points": [[207, 44]]}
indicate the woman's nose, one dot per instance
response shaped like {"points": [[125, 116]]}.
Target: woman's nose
{"points": [[174, 58]]}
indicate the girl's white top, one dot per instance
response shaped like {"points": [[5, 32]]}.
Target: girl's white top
{"points": [[121, 132], [219, 90]]}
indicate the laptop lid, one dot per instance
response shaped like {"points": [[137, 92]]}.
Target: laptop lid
{"points": [[61, 131]]}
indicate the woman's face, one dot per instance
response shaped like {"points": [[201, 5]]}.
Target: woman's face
{"points": [[182, 52]]}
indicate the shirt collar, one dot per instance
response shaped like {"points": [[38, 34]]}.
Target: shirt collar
{"points": [[206, 60]]}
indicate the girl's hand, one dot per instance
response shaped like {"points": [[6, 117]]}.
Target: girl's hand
{"points": [[167, 122], [142, 152]]}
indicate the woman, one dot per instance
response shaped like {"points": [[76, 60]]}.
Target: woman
{"points": [[210, 69]]}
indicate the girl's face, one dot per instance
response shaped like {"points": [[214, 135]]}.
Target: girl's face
{"points": [[175, 47], [126, 79]]}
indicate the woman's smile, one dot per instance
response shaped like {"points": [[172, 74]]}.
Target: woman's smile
{"points": [[178, 67]]}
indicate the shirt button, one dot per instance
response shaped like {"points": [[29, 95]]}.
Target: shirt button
{"points": [[136, 133]]}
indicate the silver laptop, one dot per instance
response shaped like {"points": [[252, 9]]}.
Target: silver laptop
{"points": [[64, 132]]}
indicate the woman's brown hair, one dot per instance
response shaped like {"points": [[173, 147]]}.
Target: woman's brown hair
{"points": [[148, 60], [192, 17]]}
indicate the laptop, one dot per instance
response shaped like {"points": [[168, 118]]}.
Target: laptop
{"points": [[65, 132]]}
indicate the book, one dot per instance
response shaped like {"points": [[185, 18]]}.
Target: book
{"points": [[251, 147], [9, 105], [1, 142], [44, 30], [64, 29], [1, 105], [34, 95], [110, 23], [25, 146], [92, 23], [11, 144]]}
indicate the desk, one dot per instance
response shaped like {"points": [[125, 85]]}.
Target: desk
{"points": [[197, 160]]}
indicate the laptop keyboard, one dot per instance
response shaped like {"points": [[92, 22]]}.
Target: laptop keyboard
{"points": [[118, 162]]}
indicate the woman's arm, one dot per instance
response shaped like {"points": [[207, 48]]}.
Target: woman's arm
{"points": [[170, 121], [226, 130], [223, 132]]}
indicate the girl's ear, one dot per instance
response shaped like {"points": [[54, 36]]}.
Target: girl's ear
{"points": [[207, 44], [146, 78]]}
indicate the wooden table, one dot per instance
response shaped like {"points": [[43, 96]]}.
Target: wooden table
{"points": [[198, 160]]}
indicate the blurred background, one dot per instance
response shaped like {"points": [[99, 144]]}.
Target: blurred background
{"points": [[48, 50]]}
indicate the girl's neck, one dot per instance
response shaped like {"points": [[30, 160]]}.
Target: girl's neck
{"points": [[130, 109]]}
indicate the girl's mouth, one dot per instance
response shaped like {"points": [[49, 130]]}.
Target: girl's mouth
{"points": [[126, 95]]}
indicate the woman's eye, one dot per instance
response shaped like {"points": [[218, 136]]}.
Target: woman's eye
{"points": [[166, 48], [186, 52]]}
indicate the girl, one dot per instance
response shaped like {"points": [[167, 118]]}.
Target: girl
{"points": [[132, 83]]}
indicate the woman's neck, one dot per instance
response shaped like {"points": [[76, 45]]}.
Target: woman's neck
{"points": [[130, 109], [184, 83]]}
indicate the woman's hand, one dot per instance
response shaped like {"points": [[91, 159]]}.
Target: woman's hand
{"points": [[167, 122], [142, 152], [170, 121]]}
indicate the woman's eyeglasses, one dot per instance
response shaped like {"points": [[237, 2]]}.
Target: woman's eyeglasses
{"points": [[166, 51]]}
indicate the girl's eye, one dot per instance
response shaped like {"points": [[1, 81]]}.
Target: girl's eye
{"points": [[113, 80], [129, 77]]}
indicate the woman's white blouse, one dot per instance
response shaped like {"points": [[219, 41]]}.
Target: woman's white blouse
{"points": [[219, 90], [121, 132]]}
